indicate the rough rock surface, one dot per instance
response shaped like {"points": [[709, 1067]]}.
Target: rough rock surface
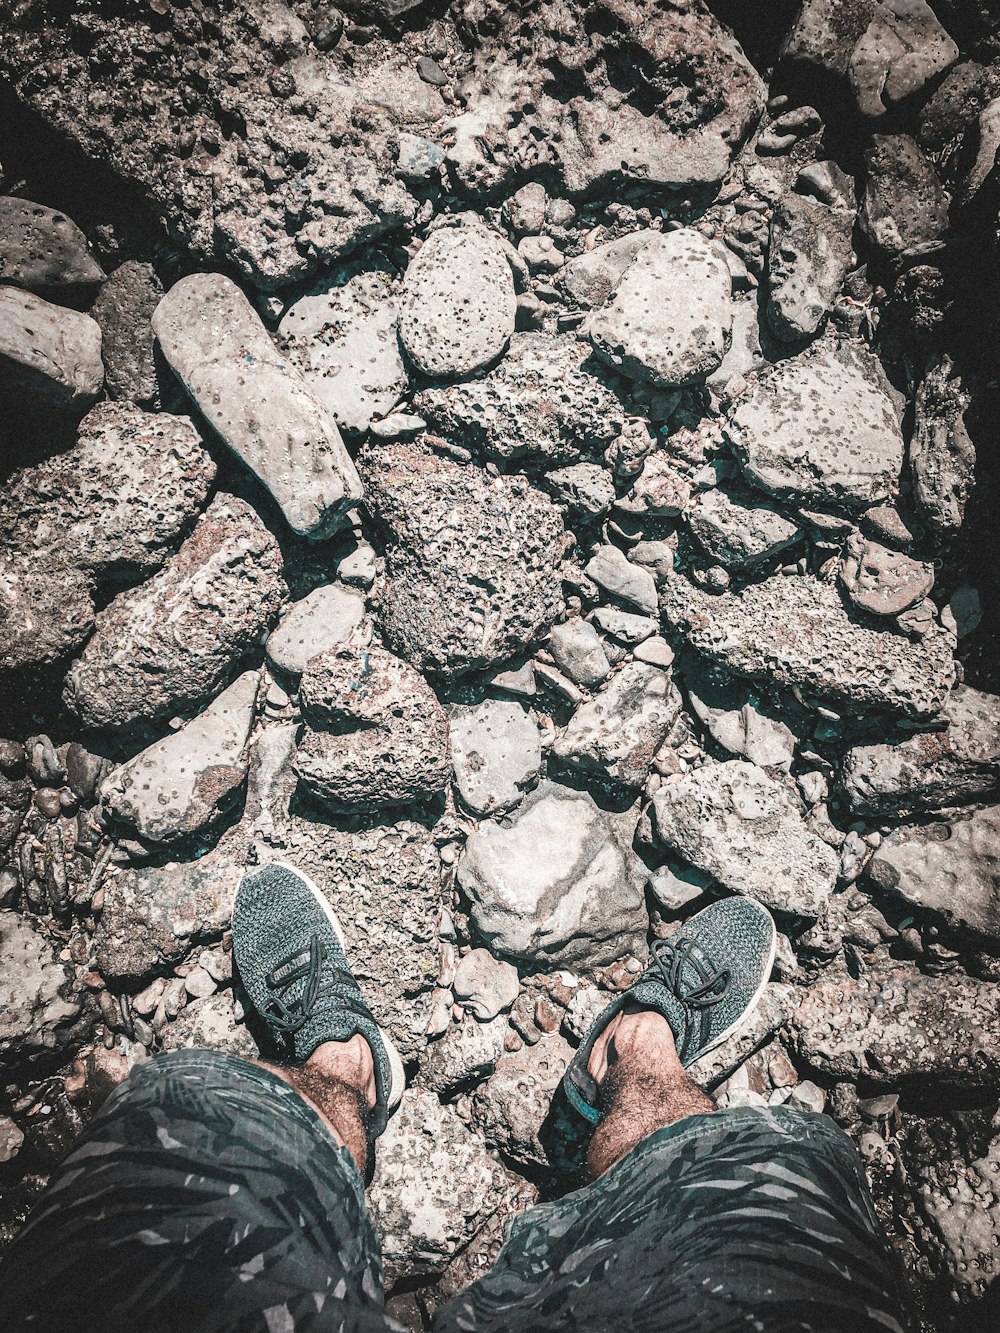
{"points": [[43, 250], [809, 252], [881, 581], [331, 616], [561, 883], [904, 205], [902, 49], [45, 613], [471, 563], [795, 631], [965, 1219], [259, 405], [124, 313], [942, 456], [738, 531], [467, 1053], [511, 1107], [168, 646], [746, 830], [39, 1003], [497, 752], [579, 652], [50, 356]]}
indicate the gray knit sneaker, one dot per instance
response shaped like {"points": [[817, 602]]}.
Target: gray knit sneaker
{"points": [[289, 948], [705, 980]]}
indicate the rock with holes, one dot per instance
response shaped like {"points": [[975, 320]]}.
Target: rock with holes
{"points": [[903, 48], [590, 278], [942, 456], [465, 1054], [46, 612], [960, 1204], [124, 311], [210, 1024], [737, 530], [808, 255], [904, 208], [331, 616], [43, 250], [40, 1003], [511, 1107], [183, 784], [881, 581], [50, 357], [497, 752]]}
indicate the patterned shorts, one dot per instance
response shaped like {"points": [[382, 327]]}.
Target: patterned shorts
{"points": [[207, 1197]]}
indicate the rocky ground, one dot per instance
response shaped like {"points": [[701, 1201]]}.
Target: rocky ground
{"points": [[535, 468]]}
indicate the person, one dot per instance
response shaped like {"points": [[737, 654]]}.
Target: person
{"points": [[211, 1193]]}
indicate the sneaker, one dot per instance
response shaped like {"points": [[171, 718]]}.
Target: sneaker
{"points": [[289, 948], [706, 981]]}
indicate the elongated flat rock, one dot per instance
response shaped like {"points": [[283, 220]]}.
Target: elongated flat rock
{"points": [[49, 356], [257, 401]]}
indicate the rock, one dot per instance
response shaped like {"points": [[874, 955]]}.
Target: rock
{"points": [[457, 303], [560, 883], [738, 531], [740, 722], [11, 1139], [343, 338], [951, 869], [116, 503], [209, 1024], [942, 457], [622, 626], [820, 429], [466, 1054], [656, 651], [525, 209], [497, 754], [124, 312], [659, 491], [745, 354], [883, 582], [963, 1212], [511, 1107], [809, 253], [615, 735], [257, 402], [359, 567], [50, 357], [903, 48], [586, 489], [896, 1028], [185, 783], [39, 1002], [746, 830], [590, 278], [824, 34], [46, 612], [376, 734], [484, 985], [904, 206], [435, 1185], [329, 617], [169, 645], [543, 403], [611, 570], [43, 251], [578, 651], [670, 318], [152, 916], [771, 1013], [472, 560]]}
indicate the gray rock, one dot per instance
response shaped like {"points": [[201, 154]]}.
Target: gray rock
{"points": [[746, 830], [611, 570], [809, 253], [124, 311], [497, 753], [466, 1054], [670, 318], [359, 567], [472, 560], [622, 626], [740, 722], [11, 1139], [795, 632], [39, 1001], [942, 457], [904, 206], [958, 763], [560, 883], [42, 250], [543, 402], [656, 651], [329, 617], [210, 1024], [745, 354], [820, 429], [586, 489], [50, 357], [118, 501], [169, 645], [257, 402], [376, 734], [883, 582], [590, 278], [484, 985], [614, 736], [343, 338], [962, 1208], [46, 612], [903, 48], [578, 651], [525, 209], [457, 303], [824, 34], [772, 1012], [186, 782], [739, 531], [510, 1108], [659, 491], [950, 869]]}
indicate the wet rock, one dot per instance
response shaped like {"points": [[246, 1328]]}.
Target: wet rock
{"points": [[903, 48], [50, 357], [497, 754], [167, 646], [472, 560], [124, 312], [209, 1024], [543, 402], [904, 206], [185, 783], [897, 1028], [809, 253], [457, 303], [670, 318], [343, 338], [561, 882], [578, 651], [485, 985], [259, 405], [118, 501], [820, 429], [795, 632], [46, 612], [930, 770], [746, 830], [329, 617], [611, 570], [737, 531], [510, 1108], [466, 1054], [942, 457], [39, 1003], [43, 250], [883, 582], [740, 722], [614, 736]]}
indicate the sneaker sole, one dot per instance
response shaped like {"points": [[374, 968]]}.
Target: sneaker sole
{"points": [[397, 1074], [749, 1011]]}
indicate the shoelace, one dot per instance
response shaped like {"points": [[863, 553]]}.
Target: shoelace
{"points": [[669, 960], [290, 1016]]}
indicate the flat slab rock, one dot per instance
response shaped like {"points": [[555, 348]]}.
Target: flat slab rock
{"points": [[472, 560], [795, 632], [497, 753], [50, 356], [331, 616], [169, 645], [820, 429], [809, 253], [738, 530], [745, 829], [257, 401]]}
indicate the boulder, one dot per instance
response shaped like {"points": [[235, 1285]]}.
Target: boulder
{"points": [[43, 250], [167, 646], [124, 312], [808, 255], [904, 206], [485, 986], [737, 530], [331, 616], [39, 1001], [497, 753], [745, 829], [50, 357], [903, 48], [257, 402], [824, 34], [881, 581]]}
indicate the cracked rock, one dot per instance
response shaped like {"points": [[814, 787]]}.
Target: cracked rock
{"points": [[903, 48], [737, 531], [497, 753], [881, 581]]}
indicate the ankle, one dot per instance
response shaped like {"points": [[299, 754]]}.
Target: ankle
{"points": [[349, 1062]]}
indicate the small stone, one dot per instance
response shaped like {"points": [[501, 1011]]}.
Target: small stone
{"points": [[11, 1139], [881, 581], [43, 251], [525, 210], [199, 984], [656, 651], [541, 254], [329, 617], [586, 489], [497, 753], [484, 985], [809, 253], [50, 356], [578, 651], [612, 570], [124, 312]]}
